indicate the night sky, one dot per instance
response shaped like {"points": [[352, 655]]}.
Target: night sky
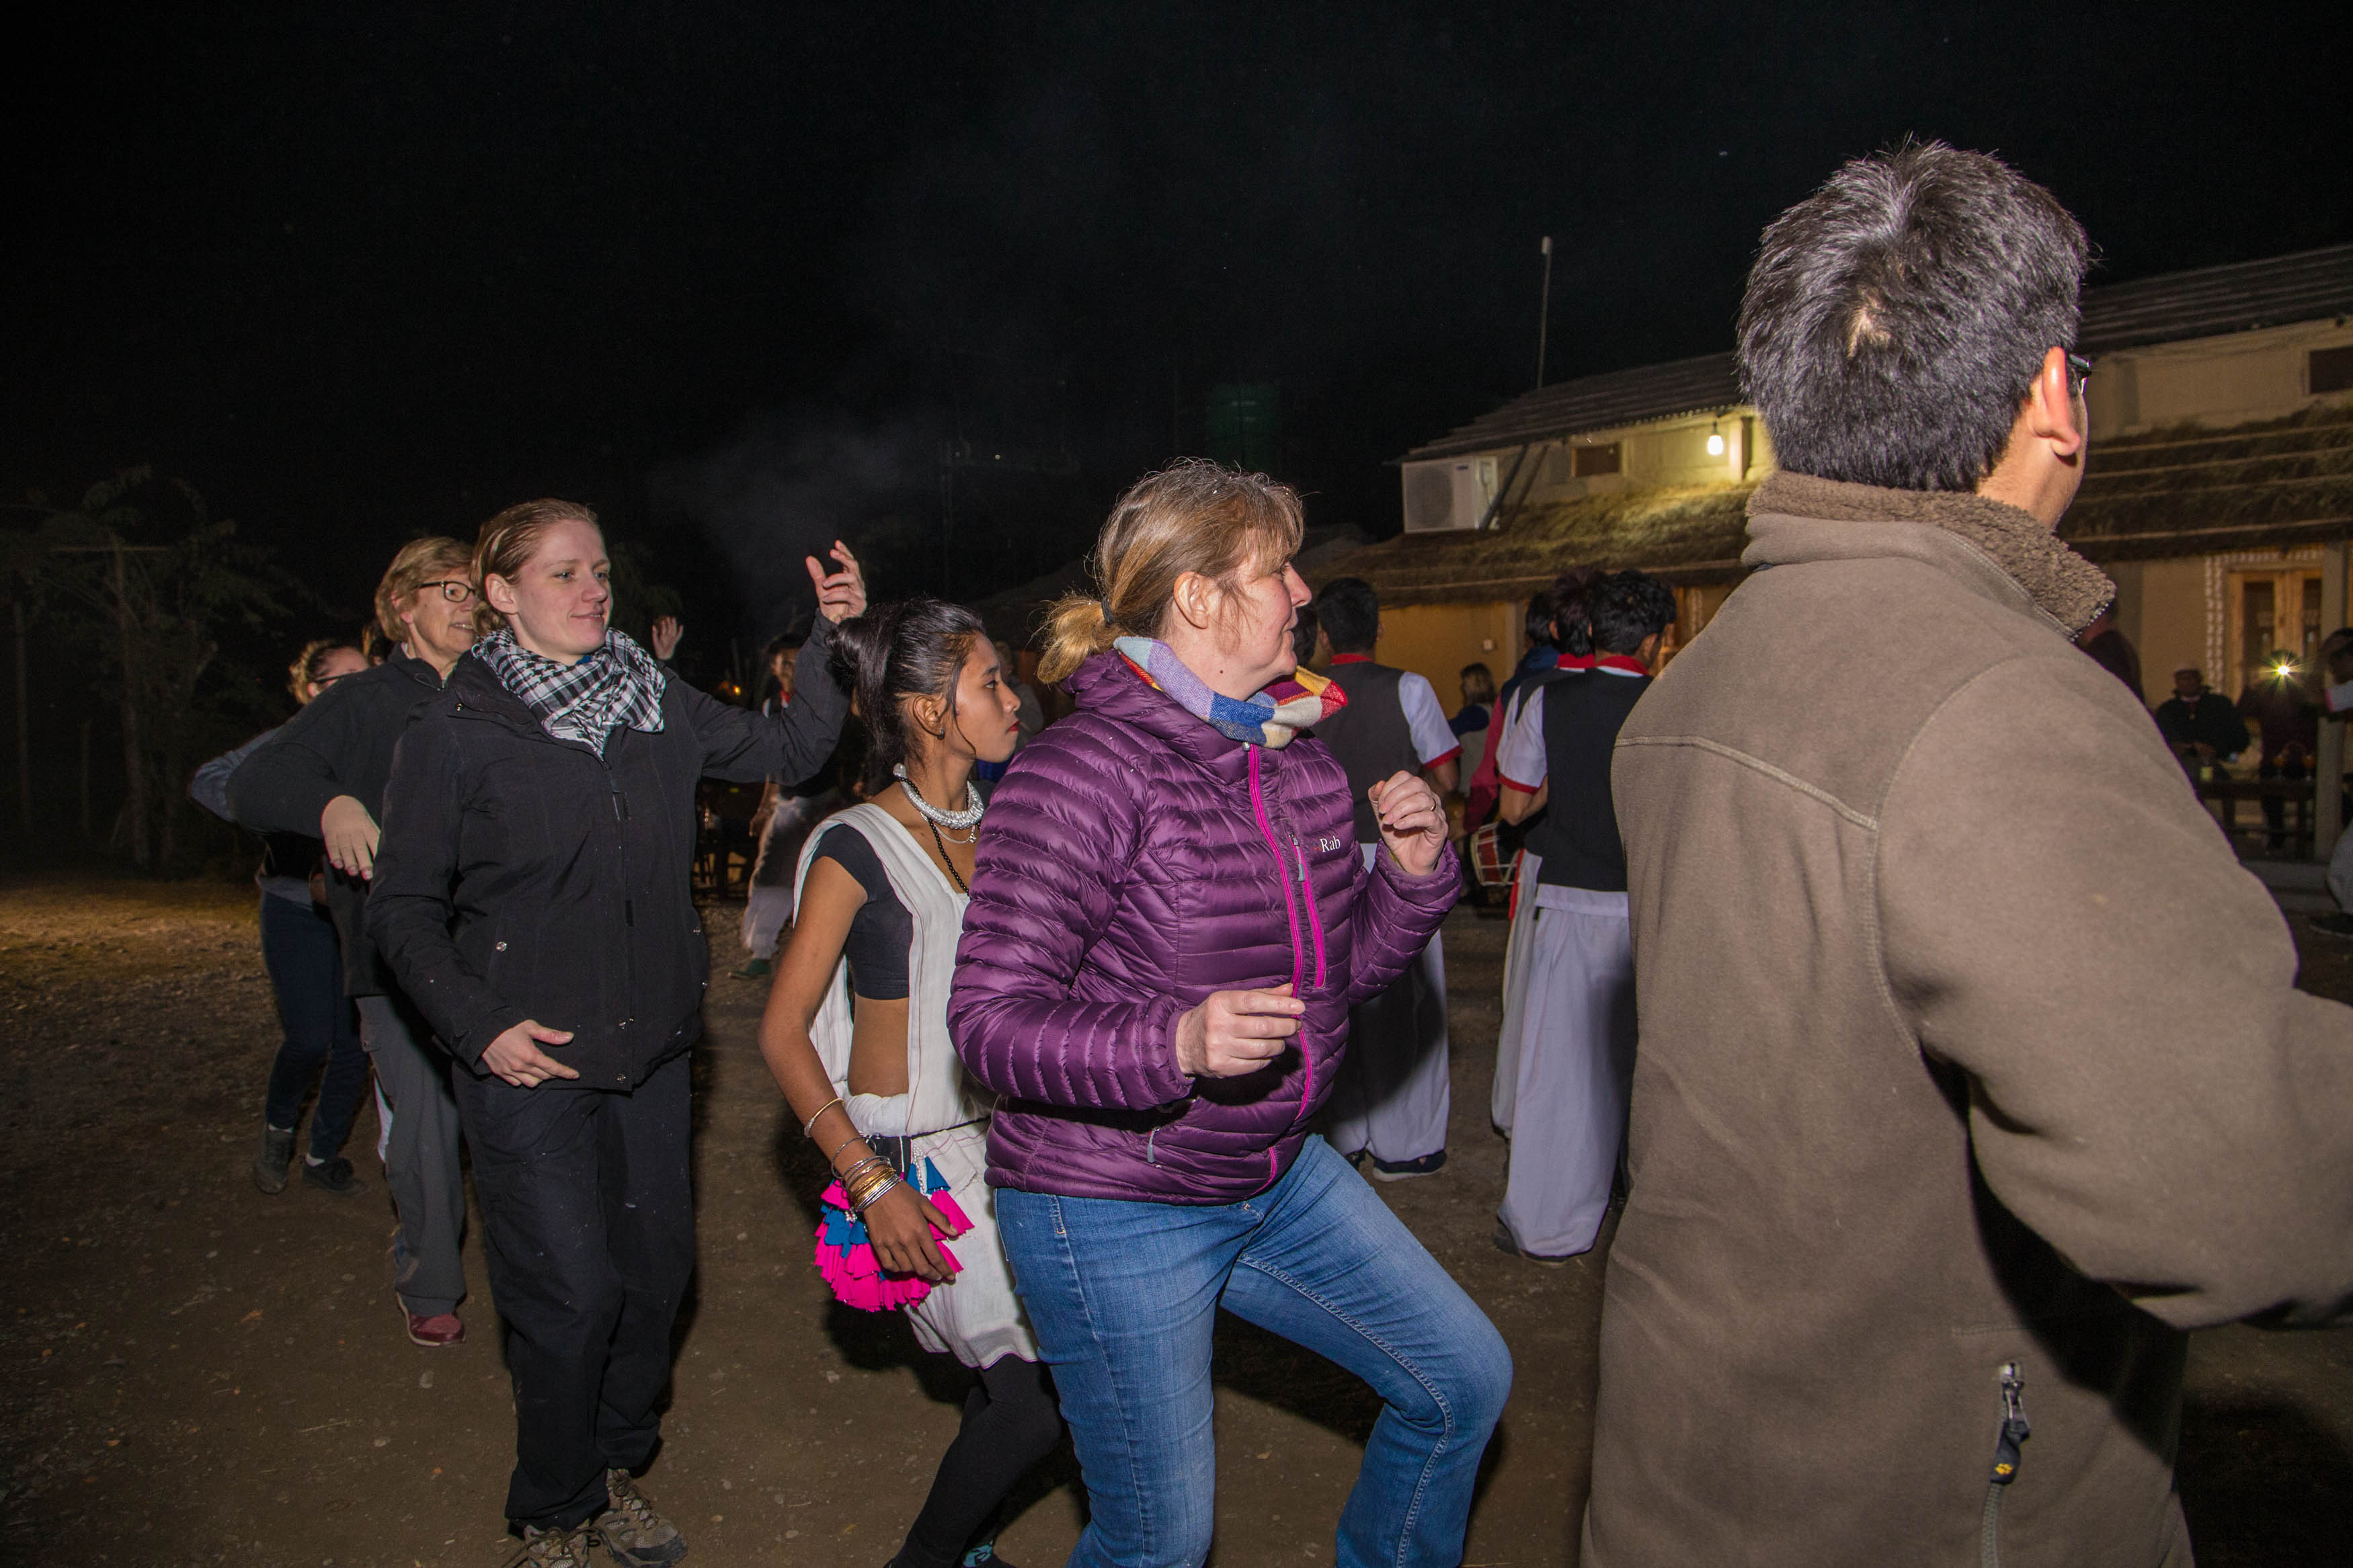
{"points": [[730, 273]]}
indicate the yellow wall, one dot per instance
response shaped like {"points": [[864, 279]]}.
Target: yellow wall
{"points": [[2172, 631], [2221, 379], [1435, 641]]}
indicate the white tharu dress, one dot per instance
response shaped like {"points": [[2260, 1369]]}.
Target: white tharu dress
{"points": [[975, 1317]]}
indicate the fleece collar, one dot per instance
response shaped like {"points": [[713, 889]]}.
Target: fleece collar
{"points": [[2062, 584]]}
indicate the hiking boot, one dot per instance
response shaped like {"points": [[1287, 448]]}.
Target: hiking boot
{"points": [[636, 1535], [552, 1549], [270, 1160], [437, 1333], [755, 970], [984, 1556], [333, 1176], [1407, 1170]]}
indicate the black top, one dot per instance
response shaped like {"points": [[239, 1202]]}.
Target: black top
{"points": [[1584, 711], [882, 932], [2211, 720], [340, 743], [524, 877], [1370, 736]]}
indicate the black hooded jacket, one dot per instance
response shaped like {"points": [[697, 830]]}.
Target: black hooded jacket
{"points": [[524, 877]]}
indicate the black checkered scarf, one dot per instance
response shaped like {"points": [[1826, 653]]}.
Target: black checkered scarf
{"points": [[618, 684]]}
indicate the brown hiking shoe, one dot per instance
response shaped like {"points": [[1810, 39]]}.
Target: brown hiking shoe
{"points": [[631, 1530], [552, 1549]]}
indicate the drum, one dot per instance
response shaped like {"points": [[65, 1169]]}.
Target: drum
{"points": [[1495, 860]]}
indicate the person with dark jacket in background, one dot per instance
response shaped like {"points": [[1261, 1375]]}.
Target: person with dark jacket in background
{"points": [[1576, 1007], [2202, 726], [1973, 1067], [1394, 1096], [305, 963], [1169, 921], [534, 897], [2112, 651], [2288, 722], [323, 774]]}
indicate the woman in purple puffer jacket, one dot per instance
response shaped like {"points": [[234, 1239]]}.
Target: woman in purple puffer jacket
{"points": [[1169, 921]]}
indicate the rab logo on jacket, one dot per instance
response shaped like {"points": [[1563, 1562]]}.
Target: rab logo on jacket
{"points": [[1326, 845]]}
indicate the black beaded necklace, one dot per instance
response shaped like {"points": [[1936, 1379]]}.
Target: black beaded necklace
{"points": [[944, 860]]}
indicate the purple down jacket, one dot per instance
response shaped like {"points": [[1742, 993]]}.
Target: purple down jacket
{"points": [[1136, 860]]}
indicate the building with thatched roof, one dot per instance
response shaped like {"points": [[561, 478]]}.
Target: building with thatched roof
{"points": [[2219, 488]]}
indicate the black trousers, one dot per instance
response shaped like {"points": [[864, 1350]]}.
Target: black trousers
{"points": [[589, 1217]]}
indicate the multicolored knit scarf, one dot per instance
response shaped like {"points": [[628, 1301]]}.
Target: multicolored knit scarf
{"points": [[1300, 701], [618, 684]]}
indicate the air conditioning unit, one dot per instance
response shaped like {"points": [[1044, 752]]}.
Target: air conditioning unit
{"points": [[1448, 493]]}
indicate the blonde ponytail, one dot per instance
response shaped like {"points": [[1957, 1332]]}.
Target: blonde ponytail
{"points": [[1076, 630]]}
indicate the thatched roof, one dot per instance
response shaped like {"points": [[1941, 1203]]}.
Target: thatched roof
{"points": [[2187, 491], [1685, 533]]}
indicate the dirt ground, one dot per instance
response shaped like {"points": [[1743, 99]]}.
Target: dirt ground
{"points": [[197, 1374]]}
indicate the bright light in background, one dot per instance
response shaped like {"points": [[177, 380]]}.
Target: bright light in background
{"points": [[1715, 445], [2284, 669]]}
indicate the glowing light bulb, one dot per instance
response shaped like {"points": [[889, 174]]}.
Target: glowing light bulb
{"points": [[1715, 445]]}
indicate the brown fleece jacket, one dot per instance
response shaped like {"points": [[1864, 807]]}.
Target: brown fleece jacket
{"points": [[1965, 1041]]}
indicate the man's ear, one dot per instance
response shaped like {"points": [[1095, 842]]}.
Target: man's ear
{"points": [[2053, 413]]}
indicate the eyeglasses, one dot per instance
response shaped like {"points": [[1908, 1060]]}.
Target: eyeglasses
{"points": [[2079, 370], [455, 591]]}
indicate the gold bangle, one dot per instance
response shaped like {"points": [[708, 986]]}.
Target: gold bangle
{"points": [[809, 1128], [868, 1183], [860, 1207]]}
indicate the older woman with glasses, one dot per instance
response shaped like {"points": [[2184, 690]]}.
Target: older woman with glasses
{"points": [[323, 776]]}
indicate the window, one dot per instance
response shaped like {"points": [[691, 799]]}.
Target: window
{"points": [[2331, 370], [2278, 612], [1584, 462]]}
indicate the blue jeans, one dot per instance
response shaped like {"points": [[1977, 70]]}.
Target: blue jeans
{"points": [[306, 970], [1123, 1297]]}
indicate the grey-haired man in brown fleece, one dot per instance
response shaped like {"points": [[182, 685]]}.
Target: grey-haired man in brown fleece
{"points": [[1972, 1068]]}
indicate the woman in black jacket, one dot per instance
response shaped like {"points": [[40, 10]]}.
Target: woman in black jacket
{"points": [[532, 893]]}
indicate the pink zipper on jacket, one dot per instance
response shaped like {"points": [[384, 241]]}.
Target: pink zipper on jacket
{"points": [[1314, 915], [1298, 953], [1283, 878]]}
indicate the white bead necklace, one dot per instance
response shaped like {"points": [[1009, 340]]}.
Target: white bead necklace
{"points": [[968, 817]]}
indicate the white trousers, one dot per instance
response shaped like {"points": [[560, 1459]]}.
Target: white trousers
{"points": [[1574, 1069], [1515, 994], [1395, 1088]]}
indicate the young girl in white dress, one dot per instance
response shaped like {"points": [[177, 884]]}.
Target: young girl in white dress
{"points": [[855, 1032]]}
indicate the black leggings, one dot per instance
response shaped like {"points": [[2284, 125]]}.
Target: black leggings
{"points": [[1011, 1420]]}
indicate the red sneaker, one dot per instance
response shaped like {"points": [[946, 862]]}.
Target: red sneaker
{"points": [[437, 1333]]}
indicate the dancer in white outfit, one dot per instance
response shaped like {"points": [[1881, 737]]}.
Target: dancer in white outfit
{"points": [[855, 1032], [1394, 1090], [1574, 1014]]}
